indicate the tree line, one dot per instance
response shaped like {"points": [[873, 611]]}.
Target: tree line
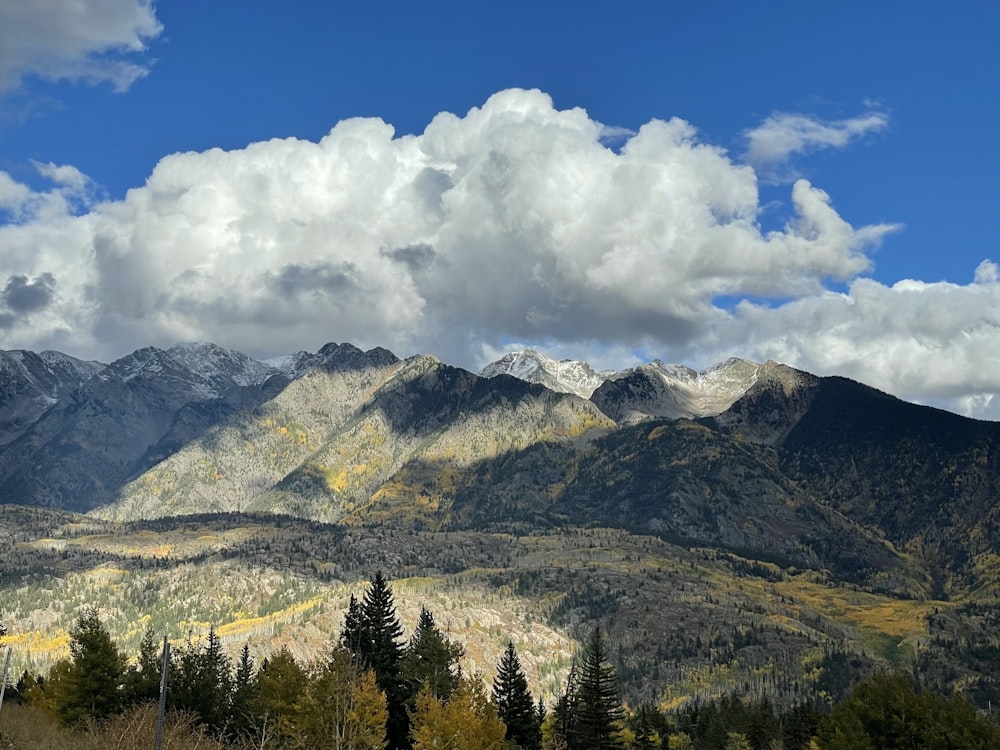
{"points": [[377, 691]]}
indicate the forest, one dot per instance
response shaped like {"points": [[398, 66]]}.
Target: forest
{"points": [[377, 690]]}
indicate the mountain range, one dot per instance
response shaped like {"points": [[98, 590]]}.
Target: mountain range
{"points": [[769, 483]]}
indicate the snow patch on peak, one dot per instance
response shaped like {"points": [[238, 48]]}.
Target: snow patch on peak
{"points": [[659, 390], [212, 362], [563, 376]]}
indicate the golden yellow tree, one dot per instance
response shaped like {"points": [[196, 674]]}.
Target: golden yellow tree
{"points": [[367, 714], [343, 708], [467, 721]]}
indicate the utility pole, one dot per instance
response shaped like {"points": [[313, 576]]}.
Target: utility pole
{"points": [[164, 669]]}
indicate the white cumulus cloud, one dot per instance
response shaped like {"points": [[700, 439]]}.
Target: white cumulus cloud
{"points": [[935, 342], [90, 40], [784, 135], [512, 223]]}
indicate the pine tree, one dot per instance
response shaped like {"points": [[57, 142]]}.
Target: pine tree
{"points": [[430, 660], [514, 702], [91, 684], [351, 634], [142, 681], [596, 711]]}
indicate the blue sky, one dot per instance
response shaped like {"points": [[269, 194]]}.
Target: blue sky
{"points": [[826, 195]]}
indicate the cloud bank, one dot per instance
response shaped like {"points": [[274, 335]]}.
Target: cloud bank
{"points": [[512, 223], [86, 40]]}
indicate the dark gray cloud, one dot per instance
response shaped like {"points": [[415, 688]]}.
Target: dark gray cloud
{"points": [[418, 257], [25, 295], [297, 279]]}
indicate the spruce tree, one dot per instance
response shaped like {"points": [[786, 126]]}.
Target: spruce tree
{"points": [[597, 711], [351, 634], [372, 633], [514, 702], [142, 682], [430, 660], [201, 681], [244, 698], [91, 685]]}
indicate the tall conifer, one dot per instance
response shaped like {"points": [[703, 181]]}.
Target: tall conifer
{"points": [[430, 660], [372, 633], [91, 684], [597, 710], [514, 702]]}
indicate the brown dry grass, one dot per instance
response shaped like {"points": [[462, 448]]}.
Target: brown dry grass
{"points": [[30, 728]]}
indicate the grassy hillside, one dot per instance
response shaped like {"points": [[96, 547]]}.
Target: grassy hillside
{"points": [[685, 622]]}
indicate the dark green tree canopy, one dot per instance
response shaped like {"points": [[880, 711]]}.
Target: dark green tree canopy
{"points": [[888, 712], [92, 684], [430, 660], [372, 633], [143, 677], [596, 708], [514, 702], [201, 681]]}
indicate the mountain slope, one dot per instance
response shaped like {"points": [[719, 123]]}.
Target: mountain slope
{"points": [[31, 384], [126, 418], [809, 531], [673, 391], [239, 459]]}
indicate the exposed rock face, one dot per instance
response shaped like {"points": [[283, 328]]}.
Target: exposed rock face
{"points": [[659, 391], [125, 418], [771, 406], [31, 384]]}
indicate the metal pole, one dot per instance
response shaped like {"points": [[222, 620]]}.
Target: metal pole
{"points": [[6, 671], [164, 669]]}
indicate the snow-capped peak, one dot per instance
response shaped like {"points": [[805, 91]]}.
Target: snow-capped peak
{"points": [[211, 361], [564, 375]]}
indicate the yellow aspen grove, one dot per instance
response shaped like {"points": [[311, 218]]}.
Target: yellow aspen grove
{"points": [[468, 721]]}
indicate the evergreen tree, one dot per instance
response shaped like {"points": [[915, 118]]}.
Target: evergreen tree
{"points": [[372, 633], [561, 725], [430, 660], [514, 702], [351, 634], [798, 726], [597, 711], [91, 684], [280, 687], [243, 699], [142, 681], [201, 682]]}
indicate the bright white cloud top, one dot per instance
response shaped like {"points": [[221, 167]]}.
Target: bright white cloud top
{"points": [[513, 223]]}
